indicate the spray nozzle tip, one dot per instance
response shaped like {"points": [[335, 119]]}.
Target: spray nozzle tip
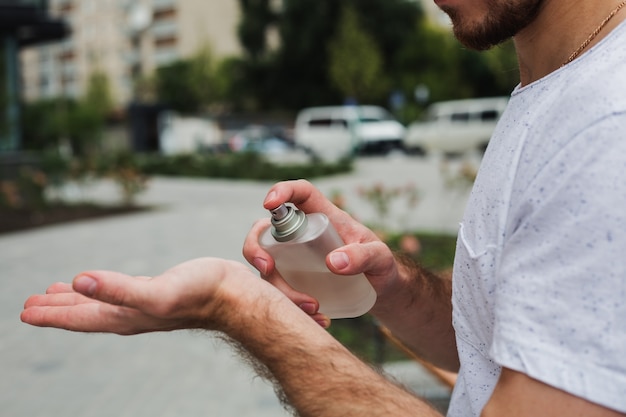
{"points": [[280, 212]]}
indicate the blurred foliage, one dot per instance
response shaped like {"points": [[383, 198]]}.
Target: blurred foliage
{"points": [[124, 169], [381, 198], [244, 165], [25, 191], [434, 252], [355, 60], [413, 52], [256, 19], [189, 85], [63, 122], [53, 123], [327, 52], [98, 95], [131, 173], [31, 188]]}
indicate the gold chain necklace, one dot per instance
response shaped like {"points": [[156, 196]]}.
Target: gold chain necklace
{"points": [[594, 33]]}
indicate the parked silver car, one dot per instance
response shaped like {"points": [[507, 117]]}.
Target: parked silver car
{"points": [[333, 132], [455, 127]]}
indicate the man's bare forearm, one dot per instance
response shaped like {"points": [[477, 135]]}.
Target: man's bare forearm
{"points": [[420, 314], [315, 374]]}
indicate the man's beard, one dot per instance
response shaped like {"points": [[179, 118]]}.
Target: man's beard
{"points": [[504, 20]]}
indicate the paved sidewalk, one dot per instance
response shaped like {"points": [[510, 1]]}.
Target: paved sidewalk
{"points": [[51, 373]]}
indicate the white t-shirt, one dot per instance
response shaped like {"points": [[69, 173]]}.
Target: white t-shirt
{"points": [[540, 270]]}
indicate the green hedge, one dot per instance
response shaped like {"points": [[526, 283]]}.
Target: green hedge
{"points": [[246, 165]]}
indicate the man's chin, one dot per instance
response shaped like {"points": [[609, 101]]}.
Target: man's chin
{"points": [[472, 36]]}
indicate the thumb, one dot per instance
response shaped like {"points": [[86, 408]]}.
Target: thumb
{"points": [[372, 258], [112, 287]]}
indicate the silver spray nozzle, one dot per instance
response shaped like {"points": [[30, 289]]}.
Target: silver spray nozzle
{"points": [[288, 223], [280, 212]]}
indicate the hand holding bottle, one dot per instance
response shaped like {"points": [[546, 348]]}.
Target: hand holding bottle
{"points": [[362, 251], [299, 244]]}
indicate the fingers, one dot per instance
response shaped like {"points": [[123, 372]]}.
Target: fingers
{"points": [[299, 192], [190, 295], [56, 299], [115, 288], [310, 200], [97, 301], [322, 320], [91, 316], [253, 252], [264, 263], [352, 260], [59, 287], [70, 310], [306, 303], [374, 259]]}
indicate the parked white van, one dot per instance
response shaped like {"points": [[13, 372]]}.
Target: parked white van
{"points": [[333, 132], [183, 135], [456, 126]]}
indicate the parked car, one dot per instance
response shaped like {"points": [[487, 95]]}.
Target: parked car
{"points": [[455, 127], [334, 132], [181, 134], [273, 143]]}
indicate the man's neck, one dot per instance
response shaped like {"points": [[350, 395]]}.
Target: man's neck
{"points": [[561, 27]]}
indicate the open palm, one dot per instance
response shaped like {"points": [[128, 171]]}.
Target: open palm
{"points": [[189, 295]]}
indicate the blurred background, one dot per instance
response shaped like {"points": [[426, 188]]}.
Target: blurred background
{"points": [[84, 75], [184, 112]]}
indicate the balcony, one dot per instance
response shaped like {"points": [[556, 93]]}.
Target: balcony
{"points": [[164, 29], [166, 42], [132, 57], [158, 5], [164, 56]]}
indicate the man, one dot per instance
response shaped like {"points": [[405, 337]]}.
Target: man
{"points": [[534, 319]]}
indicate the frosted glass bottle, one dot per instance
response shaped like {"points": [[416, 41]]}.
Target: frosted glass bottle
{"points": [[299, 244]]}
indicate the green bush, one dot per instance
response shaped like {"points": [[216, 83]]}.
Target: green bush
{"points": [[123, 168], [27, 190], [245, 165], [435, 252]]}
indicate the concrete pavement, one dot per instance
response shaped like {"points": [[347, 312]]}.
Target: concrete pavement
{"points": [[50, 373]]}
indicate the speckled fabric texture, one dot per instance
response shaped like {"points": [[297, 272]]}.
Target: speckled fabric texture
{"points": [[540, 269]]}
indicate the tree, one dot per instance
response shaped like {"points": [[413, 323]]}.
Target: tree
{"points": [[188, 85], [98, 95], [257, 17], [355, 65], [297, 74], [434, 58], [48, 124], [411, 51], [430, 58]]}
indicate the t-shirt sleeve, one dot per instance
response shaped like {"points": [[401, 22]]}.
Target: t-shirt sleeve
{"points": [[560, 309]]}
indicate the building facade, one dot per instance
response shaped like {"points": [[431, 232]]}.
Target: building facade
{"points": [[129, 39], [126, 40]]}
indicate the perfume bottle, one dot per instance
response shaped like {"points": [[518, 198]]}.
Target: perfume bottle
{"points": [[299, 243]]}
